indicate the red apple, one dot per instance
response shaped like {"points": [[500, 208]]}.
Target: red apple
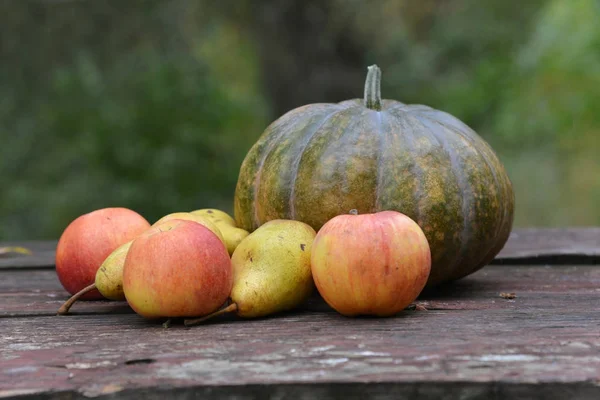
{"points": [[177, 268], [370, 264], [88, 240]]}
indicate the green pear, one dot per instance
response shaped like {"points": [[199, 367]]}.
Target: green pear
{"points": [[217, 216], [232, 235], [271, 270], [109, 278], [202, 220]]}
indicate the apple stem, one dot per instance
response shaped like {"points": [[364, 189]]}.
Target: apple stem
{"points": [[230, 308], [64, 309]]}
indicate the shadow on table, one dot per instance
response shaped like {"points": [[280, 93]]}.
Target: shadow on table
{"points": [[465, 288]]}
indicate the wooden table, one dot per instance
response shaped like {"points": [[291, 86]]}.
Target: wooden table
{"points": [[463, 341]]}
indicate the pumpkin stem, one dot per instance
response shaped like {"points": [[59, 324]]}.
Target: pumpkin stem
{"points": [[373, 88]]}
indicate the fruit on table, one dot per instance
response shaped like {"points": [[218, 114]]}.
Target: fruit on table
{"points": [[321, 160], [88, 240], [178, 268], [231, 234], [233, 237], [196, 218], [109, 279], [271, 270], [370, 264]]}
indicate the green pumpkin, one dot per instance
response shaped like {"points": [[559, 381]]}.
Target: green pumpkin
{"points": [[322, 160]]}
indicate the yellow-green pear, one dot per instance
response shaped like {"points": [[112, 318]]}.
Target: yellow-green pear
{"points": [[217, 216], [109, 278], [271, 270], [196, 218], [232, 235]]}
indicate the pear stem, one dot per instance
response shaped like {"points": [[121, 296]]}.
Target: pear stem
{"points": [[64, 309], [230, 308]]}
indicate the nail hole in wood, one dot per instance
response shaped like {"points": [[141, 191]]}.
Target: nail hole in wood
{"points": [[140, 361]]}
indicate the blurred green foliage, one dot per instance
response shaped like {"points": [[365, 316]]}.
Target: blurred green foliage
{"points": [[155, 129], [152, 105]]}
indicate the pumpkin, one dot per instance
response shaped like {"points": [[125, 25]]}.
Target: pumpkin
{"points": [[325, 159]]}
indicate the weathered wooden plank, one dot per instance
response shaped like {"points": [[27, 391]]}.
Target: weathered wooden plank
{"points": [[552, 246], [19, 280], [92, 355], [42, 255], [525, 246], [39, 293], [471, 343], [28, 292], [47, 303], [335, 390]]}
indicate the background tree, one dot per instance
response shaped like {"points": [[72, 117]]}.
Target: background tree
{"points": [[153, 104]]}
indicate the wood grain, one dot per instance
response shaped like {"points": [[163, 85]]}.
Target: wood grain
{"points": [[552, 246], [463, 341], [89, 355], [470, 343], [43, 253], [39, 293]]}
